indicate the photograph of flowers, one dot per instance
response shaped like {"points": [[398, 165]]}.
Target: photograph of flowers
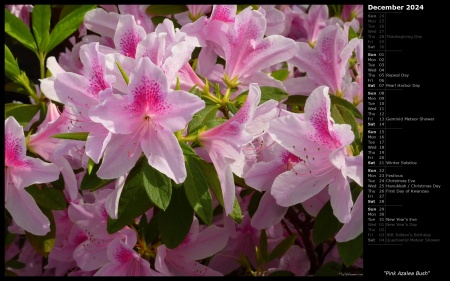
{"points": [[184, 140]]}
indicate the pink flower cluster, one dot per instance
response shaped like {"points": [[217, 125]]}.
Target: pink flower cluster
{"points": [[134, 87]]}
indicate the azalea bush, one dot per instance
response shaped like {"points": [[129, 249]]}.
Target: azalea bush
{"points": [[184, 140]]}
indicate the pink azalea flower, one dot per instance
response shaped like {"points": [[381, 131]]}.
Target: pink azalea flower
{"points": [[294, 260], [91, 254], [140, 14], [81, 92], [244, 48], [322, 145], [242, 242], [305, 26], [349, 12], [31, 259], [53, 149], [182, 261], [124, 261], [328, 61], [355, 225], [144, 121], [194, 12], [224, 143], [22, 12], [20, 172], [128, 35]]}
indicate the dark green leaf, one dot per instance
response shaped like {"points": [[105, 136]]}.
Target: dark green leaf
{"points": [[23, 113], [268, 93], [214, 123], [13, 263], [133, 201], [329, 269], [9, 238], [50, 198], [12, 70], [280, 74], [282, 273], [254, 202], [356, 190], [175, 222], [187, 150], [162, 10], [349, 118], [156, 184], [158, 19], [17, 29], [326, 224], [336, 115], [236, 215], [15, 87], [351, 250], [232, 108], [263, 245], [40, 23], [210, 174], [92, 182], [81, 136], [152, 230], [91, 164], [272, 93], [204, 115], [351, 34], [44, 244], [67, 9], [296, 100], [197, 191], [281, 248], [68, 25], [345, 103]]}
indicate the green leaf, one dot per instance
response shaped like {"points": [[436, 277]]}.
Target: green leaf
{"points": [[158, 19], [133, 201], [282, 273], [280, 74], [268, 93], [348, 105], [236, 215], [17, 29], [50, 198], [44, 244], [23, 113], [204, 115], [254, 202], [296, 100], [351, 250], [68, 25], [329, 269], [156, 184], [355, 190], [349, 118], [351, 34], [40, 23], [12, 70], [91, 164], [336, 115], [13, 263], [152, 229], [92, 182], [67, 9], [9, 238], [124, 74], [272, 93], [215, 122], [197, 192], [281, 248], [175, 222], [232, 108], [210, 174], [263, 245], [326, 224], [187, 150], [81, 136], [162, 10], [15, 87]]}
